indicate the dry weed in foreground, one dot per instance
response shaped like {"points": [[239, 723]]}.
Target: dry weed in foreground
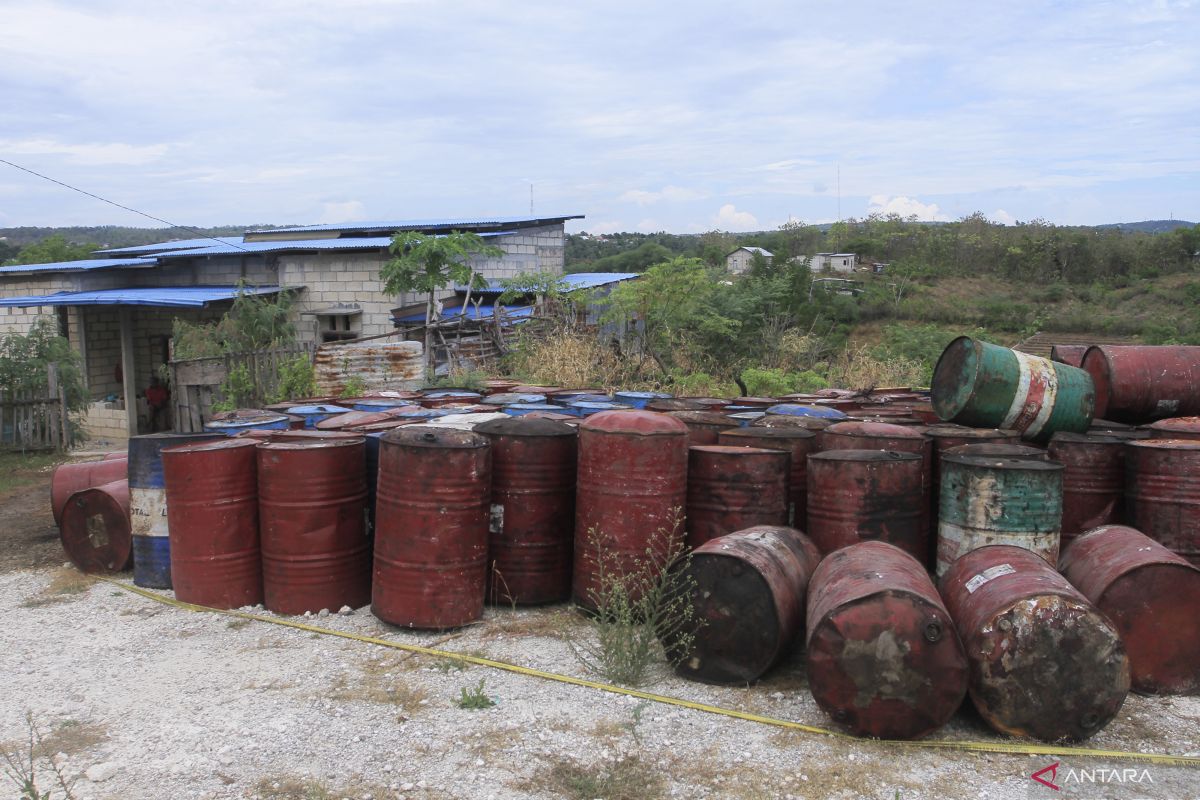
{"points": [[66, 582], [286, 787], [626, 779], [379, 683], [23, 766], [858, 369], [568, 359]]}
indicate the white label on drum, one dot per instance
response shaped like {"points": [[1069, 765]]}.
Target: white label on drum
{"points": [[991, 573], [496, 524]]}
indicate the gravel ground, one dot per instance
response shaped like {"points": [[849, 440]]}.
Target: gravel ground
{"points": [[136, 699]]}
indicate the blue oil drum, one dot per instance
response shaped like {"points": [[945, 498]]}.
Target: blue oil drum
{"points": [[314, 414], [567, 398], [585, 408], [797, 410], [232, 427], [745, 419], [426, 413], [640, 399], [521, 409], [509, 398], [381, 403], [148, 506]]}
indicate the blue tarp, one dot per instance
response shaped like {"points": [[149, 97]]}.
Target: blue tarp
{"points": [[163, 297]]}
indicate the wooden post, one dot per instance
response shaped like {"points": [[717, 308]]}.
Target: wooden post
{"points": [[128, 369]]}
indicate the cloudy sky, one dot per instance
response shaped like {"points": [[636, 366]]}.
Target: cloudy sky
{"points": [[643, 116]]}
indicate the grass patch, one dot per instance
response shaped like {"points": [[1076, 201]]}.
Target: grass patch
{"points": [[286, 787], [237, 623], [379, 683], [548, 623], [475, 698], [71, 737], [22, 469], [64, 584], [627, 779]]}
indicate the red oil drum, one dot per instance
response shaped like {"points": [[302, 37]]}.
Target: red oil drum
{"points": [[791, 421], [68, 479], [309, 435], [1138, 384], [532, 531], [704, 427], [312, 523], [431, 527], [212, 515], [1069, 354], [883, 656], [631, 495], [1151, 595], [1162, 493], [732, 488], [675, 404], [857, 495], [94, 528], [353, 419], [1020, 452], [799, 443], [1175, 428], [1093, 480], [748, 590], [1045, 662]]}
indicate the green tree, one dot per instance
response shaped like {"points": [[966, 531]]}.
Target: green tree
{"points": [[429, 262], [50, 250]]}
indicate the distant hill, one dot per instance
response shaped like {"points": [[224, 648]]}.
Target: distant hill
{"points": [[1149, 226], [119, 235]]}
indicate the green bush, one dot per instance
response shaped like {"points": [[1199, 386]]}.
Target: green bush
{"points": [[764, 382]]}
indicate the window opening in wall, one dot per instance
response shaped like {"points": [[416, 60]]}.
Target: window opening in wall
{"points": [[64, 324], [338, 327]]}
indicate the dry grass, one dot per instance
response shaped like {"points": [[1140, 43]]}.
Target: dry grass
{"points": [[627, 779], [237, 623], [64, 584], [286, 787], [546, 623], [568, 359], [379, 683], [858, 369], [71, 737]]}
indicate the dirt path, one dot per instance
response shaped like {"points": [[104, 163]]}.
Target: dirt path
{"points": [[28, 536]]}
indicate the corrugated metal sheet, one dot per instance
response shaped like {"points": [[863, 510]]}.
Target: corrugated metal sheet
{"points": [[423, 224], [253, 248], [569, 283], [484, 312], [165, 297], [380, 363], [178, 244], [76, 266]]}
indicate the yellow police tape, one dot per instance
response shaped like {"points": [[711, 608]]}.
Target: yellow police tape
{"points": [[1006, 747]]}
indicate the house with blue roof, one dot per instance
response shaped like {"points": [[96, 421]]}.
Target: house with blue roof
{"points": [[118, 309]]}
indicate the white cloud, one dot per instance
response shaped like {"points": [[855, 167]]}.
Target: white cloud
{"points": [[91, 153], [905, 207], [349, 211], [673, 194], [1003, 217], [728, 218]]}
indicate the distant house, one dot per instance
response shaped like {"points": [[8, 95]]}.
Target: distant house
{"points": [[738, 262], [834, 262]]}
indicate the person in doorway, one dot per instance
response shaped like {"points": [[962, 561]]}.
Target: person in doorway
{"points": [[157, 398]]}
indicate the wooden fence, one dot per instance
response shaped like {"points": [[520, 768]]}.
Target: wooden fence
{"points": [[35, 419], [196, 382]]}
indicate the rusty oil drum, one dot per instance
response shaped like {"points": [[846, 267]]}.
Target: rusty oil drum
{"points": [[858, 495], [312, 525], [212, 511], [1162, 493], [989, 500], [431, 527], [799, 442], [1093, 480], [749, 592], [1138, 384], [68, 479], [730, 488], [1175, 428], [1069, 354], [786, 421], [532, 529], [1151, 595], [985, 385], [1045, 662], [884, 659], [1002, 450], [94, 530], [704, 427], [631, 493]]}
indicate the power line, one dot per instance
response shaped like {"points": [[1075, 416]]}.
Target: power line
{"points": [[201, 234]]}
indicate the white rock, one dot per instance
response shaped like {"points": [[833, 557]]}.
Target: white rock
{"points": [[324, 612], [345, 611], [98, 773]]}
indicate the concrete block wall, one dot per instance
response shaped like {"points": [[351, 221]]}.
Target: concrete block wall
{"points": [[20, 320], [105, 424]]}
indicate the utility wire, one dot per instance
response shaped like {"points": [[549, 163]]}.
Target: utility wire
{"points": [[201, 234]]}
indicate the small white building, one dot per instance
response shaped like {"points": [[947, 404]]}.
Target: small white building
{"points": [[738, 262], [834, 262]]}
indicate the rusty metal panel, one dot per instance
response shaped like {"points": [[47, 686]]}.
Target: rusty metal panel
{"points": [[68, 479], [749, 593], [1136, 383], [1044, 661], [730, 488], [675, 404], [532, 524], [431, 527], [799, 442], [1162, 493], [1175, 428], [631, 492], [94, 528], [789, 421], [212, 511], [1151, 595], [884, 659], [379, 363], [1069, 354], [311, 509], [1093, 480], [704, 427], [859, 495]]}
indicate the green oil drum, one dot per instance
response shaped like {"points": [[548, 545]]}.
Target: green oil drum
{"points": [[984, 385]]}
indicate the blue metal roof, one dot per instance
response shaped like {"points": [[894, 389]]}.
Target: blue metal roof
{"points": [[163, 297], [243, 248], [178, 244], [75, 266], [567, 283], [423, 224], [484, 312]]}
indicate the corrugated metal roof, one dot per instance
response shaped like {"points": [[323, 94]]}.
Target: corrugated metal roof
{"points": [[178, 244], [164, 297], [569, 283], [76, 266], [761, 251], [484, 312], [251, 248], [422, 224]]}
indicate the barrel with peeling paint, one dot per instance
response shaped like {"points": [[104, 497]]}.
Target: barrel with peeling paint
{"points": [[212, 511], [799, 443], [311, 508], [1162, 493], [631, 492], [1069, 354], [1136, 383], [749, 591], [1175, 428], [94, 528], [431, 527], [987, 500], [786, 421], [704, 427], [532, 528], [312, 414], [1151, 595], [675, 404], [148, 506], [236, 425], [68, 479], [1093, 481], [985, 385], [1021, 452], [860, 495], [731, 488], [883, 656], [1045, 662]]}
